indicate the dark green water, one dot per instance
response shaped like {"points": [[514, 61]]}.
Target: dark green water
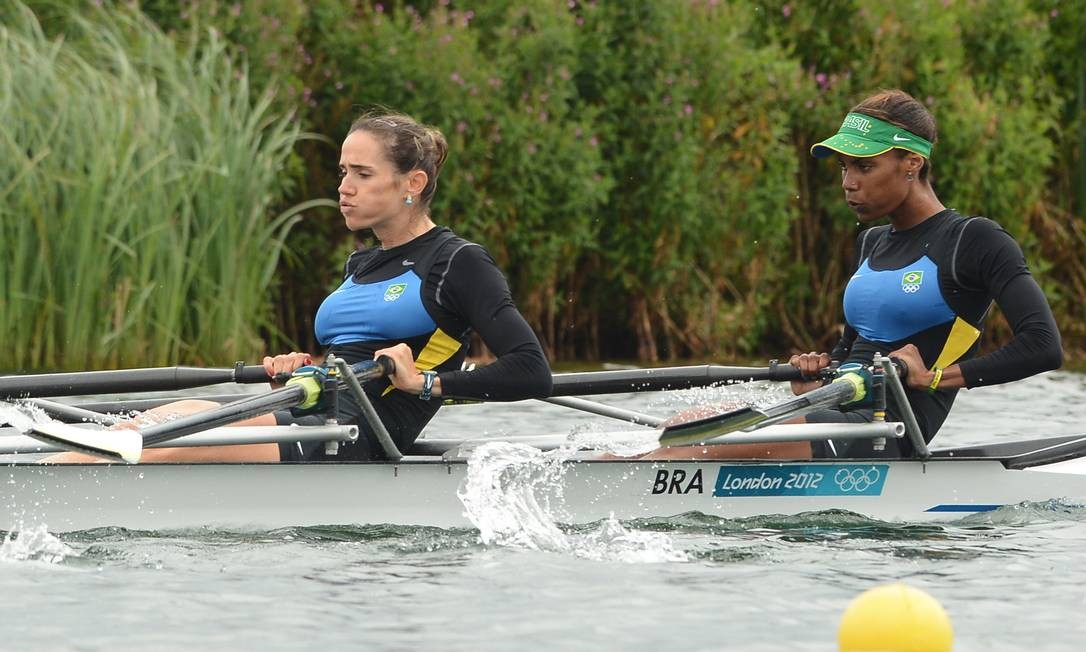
{"points": [[1011, 580]]}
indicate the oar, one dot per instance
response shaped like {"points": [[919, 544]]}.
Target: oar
{"points": [[571, 384], [121, 445], [584, 383], [126, 380], [587, 383], [300, 391], [847, 388], [71, 413]]}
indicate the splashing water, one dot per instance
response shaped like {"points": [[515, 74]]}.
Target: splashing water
{"points": [[602, 440], [508, 492], [21, 416], [513, 494], [34, 544]]}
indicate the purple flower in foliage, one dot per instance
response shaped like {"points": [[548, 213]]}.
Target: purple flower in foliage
{"points": [[786, 10]]}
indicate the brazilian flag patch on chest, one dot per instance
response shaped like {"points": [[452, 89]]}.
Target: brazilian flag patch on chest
{"points": [[910, 281], [395, 291]]}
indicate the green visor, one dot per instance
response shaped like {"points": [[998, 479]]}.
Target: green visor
{"points": [[861, 135]]}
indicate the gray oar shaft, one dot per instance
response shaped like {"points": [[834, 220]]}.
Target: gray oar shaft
{"points": [[832, 394], [665, 378], [279, 399], [71, 413], [603, 410], [121, 381]]}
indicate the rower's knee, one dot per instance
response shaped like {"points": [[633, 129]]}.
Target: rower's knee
{"points": [[171, 411], [188, 406]]}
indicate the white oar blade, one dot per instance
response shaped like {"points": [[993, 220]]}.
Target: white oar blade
{"points": [[120, 445]]}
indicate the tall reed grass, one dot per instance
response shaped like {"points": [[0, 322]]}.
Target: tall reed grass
{"points": [[136, 180]]}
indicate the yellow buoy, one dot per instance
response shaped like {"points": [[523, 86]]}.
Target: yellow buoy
{"points": [[895, 618]]}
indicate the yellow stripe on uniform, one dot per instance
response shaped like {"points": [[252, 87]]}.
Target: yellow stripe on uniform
{"points": [[963, 335], [440, 348]]}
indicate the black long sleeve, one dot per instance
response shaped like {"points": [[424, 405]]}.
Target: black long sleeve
{"points": [[476, 288]]}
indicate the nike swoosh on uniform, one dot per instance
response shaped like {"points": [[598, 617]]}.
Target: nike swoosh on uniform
{"points": [[899, 139], [408, 263]]}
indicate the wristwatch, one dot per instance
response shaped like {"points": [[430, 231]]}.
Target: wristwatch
{"points": [[428, 378]]}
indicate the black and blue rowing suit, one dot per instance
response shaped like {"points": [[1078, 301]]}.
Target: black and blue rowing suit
{"points": [[431, 294], [932, 286]]}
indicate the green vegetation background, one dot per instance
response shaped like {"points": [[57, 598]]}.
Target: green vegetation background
{"points": [[639, 169]]}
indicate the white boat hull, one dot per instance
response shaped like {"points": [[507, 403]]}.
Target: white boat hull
{"points": [[267, 496]]}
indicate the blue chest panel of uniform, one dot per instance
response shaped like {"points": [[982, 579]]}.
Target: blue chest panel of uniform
{"points": [[368, 312], [890, 305]]}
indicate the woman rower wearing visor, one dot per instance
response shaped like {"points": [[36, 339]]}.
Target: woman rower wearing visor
{"points": [[922, 286]]}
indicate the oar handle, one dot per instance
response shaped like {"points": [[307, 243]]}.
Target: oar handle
{"points": [[365, 370], [388, 364], [256, 373]]}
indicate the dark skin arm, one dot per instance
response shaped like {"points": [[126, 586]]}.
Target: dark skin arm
{"points": [[919, 377]]}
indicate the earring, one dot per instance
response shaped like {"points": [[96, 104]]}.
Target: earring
{"points": [[409, 200], [909, 176]]}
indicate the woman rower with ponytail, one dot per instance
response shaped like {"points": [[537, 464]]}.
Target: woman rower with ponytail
{"points": [[417, 298]]}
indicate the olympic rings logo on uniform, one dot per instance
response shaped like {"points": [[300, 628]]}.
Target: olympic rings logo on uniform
{"points": [[912, 280], [858, 480]]}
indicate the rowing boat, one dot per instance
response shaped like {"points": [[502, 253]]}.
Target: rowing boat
{"points": [[431, 484], [425, 489]]}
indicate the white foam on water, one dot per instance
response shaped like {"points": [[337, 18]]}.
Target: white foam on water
{"points": [[33, 544], [513, 494]]}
